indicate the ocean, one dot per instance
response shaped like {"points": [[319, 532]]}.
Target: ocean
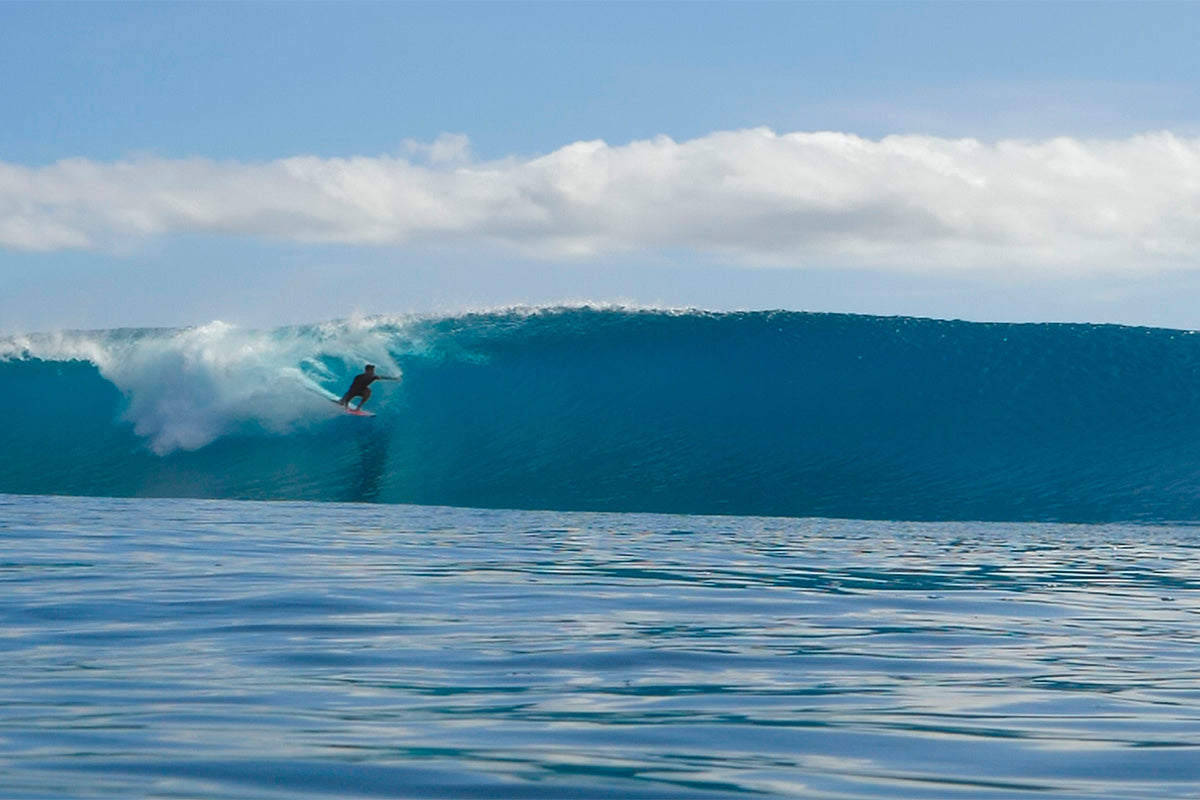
{"points": [[602, 552]]}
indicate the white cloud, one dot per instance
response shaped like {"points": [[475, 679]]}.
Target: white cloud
{"points": [[803, 199]]}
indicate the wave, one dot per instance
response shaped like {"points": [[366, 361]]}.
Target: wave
{"points": [[749, 413]]}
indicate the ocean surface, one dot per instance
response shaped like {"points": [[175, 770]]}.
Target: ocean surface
{"points": [[234, 649], [602, 553]]}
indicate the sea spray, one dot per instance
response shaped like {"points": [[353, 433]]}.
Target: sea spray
{"points": [[186, 388]]}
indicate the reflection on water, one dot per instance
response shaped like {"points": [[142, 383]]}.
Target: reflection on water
{"points": [[243, 650], [372, 463]]}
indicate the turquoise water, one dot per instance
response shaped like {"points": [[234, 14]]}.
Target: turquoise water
{"points": [[228, 649], [608, 409]]}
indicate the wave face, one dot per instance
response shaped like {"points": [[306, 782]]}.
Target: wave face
{"points": [[763, 413]]}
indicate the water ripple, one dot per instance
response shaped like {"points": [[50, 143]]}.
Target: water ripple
{"points": [[245, 650]]}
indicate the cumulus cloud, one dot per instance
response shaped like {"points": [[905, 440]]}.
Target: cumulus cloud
{"points": [[753, 196]]}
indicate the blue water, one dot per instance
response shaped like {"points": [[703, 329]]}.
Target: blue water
{"points": [[778, 555], [232, 649], [764, 413]]}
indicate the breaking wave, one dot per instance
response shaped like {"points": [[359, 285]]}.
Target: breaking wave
{"points": [[749, 413]]}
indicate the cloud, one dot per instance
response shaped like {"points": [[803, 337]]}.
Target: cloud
{"points": [[910, 203]]}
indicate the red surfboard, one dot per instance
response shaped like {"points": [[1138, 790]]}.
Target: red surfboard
{"points": [[354, 412]]}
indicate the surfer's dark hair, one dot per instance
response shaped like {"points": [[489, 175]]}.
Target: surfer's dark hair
{"points": [[370, 366]]}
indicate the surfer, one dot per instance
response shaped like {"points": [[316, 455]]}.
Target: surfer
{"points": [[359, 386]]}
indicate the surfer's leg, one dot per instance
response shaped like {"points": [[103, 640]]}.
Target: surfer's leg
{"points": [[366, 395]]}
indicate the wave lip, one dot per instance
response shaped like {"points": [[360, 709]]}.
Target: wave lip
{"points": [[749, 413]]}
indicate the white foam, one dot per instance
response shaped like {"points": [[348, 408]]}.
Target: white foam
{"points": [[186, 388]]}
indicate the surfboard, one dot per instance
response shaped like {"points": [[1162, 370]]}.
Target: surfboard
{"points": [[354, 412]]}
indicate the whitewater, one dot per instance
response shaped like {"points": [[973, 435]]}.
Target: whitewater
{"points": [[602, 552]]}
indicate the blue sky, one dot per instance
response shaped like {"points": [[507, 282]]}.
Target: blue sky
{"points": [[166, 164]]}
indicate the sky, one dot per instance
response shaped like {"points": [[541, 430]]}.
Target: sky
{"points": [[167, 164]]}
